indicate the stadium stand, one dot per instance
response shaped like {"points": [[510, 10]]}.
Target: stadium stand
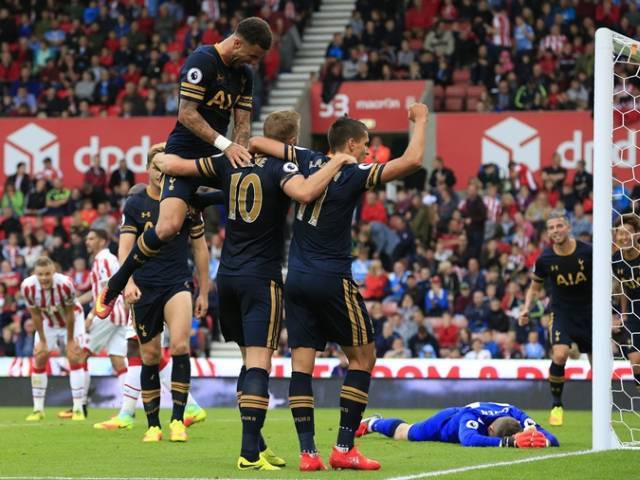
{"points": [[443, 267]]}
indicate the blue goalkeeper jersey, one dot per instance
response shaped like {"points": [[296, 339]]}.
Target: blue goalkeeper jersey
{"points": [[469, 425]]}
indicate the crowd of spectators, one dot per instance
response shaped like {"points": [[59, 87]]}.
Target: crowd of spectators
{"points": [[523, 55], [89, 58]]}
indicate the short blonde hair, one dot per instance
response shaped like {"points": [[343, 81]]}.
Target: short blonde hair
{"points": [[153, 151], [43, 261], [282, 125]]}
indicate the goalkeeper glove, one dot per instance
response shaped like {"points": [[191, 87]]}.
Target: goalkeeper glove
{"points": [[528, 439]]}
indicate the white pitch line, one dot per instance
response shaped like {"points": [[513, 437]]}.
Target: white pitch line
{"points": [[439, 473]]}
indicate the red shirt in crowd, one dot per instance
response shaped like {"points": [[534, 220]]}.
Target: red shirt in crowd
{"points": [[374, 286], [447, 335], [374, 213], [12, 281]]}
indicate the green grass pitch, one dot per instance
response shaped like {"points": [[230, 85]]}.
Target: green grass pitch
{"points": [[55, 448]]}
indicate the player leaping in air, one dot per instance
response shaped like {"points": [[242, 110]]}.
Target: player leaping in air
{"points": [[480, 424], [250, 275], [567, 266], [215, 80]]}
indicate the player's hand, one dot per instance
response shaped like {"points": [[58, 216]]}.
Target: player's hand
{"points": [[238, 155], [344, 158], [167, 164], [527, 439], [418, 112], [523, 318], [202, 304], [131, 292]]}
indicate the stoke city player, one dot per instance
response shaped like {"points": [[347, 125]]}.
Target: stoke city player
{"points": [[59, 322]]}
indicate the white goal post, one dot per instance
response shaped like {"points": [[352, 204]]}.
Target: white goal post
{"points": [[613, 53]]}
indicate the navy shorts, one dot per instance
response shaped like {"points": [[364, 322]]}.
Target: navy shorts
{"points": [[148, 312], [184, 187], [250, 310], [571, 324], [632, 330], [325, 308]]}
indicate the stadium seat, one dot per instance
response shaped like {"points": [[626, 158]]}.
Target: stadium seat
{"points": [[472, 104], [95, 110], [438, 97], [475, 91], [455, 91], [454, 104], [461, 76], [49, 224], [114, 110]]}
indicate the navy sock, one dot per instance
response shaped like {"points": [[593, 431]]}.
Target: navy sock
{"points": [[636, 375], [147, 246], [302, 409], [354, 397], [253, 410], [556, 382], [180, 384], [386, 426], [243, 373], [150, 386]]}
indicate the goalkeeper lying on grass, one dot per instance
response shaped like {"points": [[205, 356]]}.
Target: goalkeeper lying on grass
{"points": [[480, 424]]}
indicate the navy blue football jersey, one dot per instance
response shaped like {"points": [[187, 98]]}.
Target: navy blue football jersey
{"points": [[218, 89], [626, 271], [256, 214], [569, 276], [322, 229], [171, 265]]}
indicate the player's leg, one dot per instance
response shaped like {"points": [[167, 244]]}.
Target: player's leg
{"points": [[39, 378], [395, 428], [130, 390], [352, 328], [261, 316], [559, 356], [77, 357], [178, 313], [634, 360], [305, 338], [150, 351], [173, 209]]}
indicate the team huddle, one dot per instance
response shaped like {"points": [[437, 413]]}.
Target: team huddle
{"points": [[149, 286]]}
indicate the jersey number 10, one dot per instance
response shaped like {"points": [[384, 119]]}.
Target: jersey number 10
{"points": [[238, 197]]}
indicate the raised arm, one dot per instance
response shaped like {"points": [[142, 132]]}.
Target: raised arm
{"points": [[411, 159]]}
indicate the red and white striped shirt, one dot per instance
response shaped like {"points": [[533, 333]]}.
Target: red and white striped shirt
{"points": [[501, 30], [494, 207], [104, 265], [51, 302]]}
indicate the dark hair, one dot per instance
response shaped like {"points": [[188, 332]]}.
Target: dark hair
{"points": [[342, 130], [100, 233], [505, 426], [255, 31]]}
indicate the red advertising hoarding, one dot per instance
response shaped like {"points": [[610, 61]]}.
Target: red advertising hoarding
{"points": [[70, 143], [467, 140], [381, 105]]}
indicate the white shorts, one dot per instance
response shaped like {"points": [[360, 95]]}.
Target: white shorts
{"points": [[105, 334], [131, 333], [57, 336]]}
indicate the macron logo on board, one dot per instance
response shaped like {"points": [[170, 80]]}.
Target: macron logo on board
{"points": [[511, 140], [30, 144]]}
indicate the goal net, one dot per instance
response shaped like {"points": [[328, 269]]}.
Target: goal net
{"points": [[616, 303]]}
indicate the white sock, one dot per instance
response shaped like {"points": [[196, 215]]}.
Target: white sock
{"points": [[87, 384], [76, 380], [38, 390], [131, 391], [122, 375]]}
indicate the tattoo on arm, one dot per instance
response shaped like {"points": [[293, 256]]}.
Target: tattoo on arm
{"points": [[189, 116], [242, 127]]}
